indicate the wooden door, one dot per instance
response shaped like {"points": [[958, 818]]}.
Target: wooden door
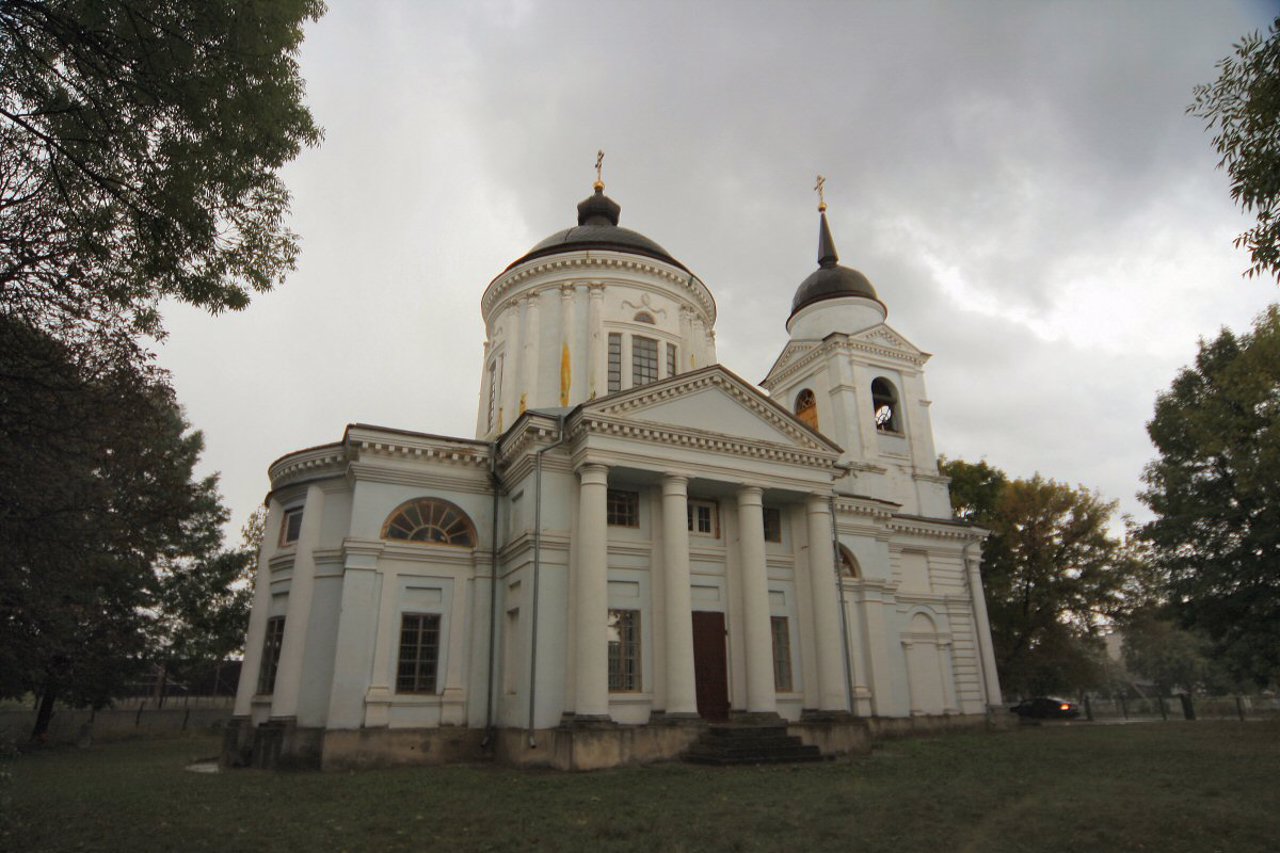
{"points": [[710, 665]]}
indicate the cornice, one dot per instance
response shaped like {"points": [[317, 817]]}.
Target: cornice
{"points": [[710, 442], [770, 412], [582, 261], [327, 459], [864, 342], [441, 451], [937, 529]]}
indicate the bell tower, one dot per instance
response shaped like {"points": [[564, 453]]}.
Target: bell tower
{"points": [[850, 376]]}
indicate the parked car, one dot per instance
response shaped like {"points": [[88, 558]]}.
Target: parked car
{"points": [[1046, 708]]}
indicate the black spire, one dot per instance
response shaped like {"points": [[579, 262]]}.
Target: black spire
{"points": [[827, 256]]}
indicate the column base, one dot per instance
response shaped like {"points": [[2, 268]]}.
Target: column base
{"points": [[813, 715], [756, 718]]}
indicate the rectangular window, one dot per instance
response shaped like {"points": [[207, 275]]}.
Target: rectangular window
{"points": [[624, 651], [615, 362], [270, 655], [622, 508], [644, 360], [702, 518], [671, 359], [772, 524], [292, 526], [781, 654], [419, 653]]}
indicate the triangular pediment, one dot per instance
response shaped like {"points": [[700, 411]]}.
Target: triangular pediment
{"points": [[885, 337], [712, 401], [792, 351]]}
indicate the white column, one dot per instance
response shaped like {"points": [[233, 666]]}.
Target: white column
{"points": [[700, 341], [293, 648], [512, 383], [566, 343], [259, 615], [591, 597], [982, 625], [682, 695], [832, 695], [757, 629], [534, 396], [688, 349], [595, 354]]}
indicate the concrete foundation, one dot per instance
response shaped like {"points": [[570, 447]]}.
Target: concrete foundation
{"points": [[573, 745]]}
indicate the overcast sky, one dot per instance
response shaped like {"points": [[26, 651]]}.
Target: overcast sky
{"points": [[1019, 181]]}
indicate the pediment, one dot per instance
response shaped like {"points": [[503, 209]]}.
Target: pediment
{"points": [[712, 401], [885, 337], [792, 351]]}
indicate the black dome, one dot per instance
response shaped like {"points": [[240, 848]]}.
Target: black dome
{"points": [[597, 228], [830, 280]]}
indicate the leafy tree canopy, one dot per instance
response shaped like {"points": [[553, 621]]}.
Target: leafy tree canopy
{"points": [[1216, 535], [139, 147], [108, 538], [1243, 109], [1051, 571]]}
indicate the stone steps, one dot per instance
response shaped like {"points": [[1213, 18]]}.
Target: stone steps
{"points": [[750, 743]]}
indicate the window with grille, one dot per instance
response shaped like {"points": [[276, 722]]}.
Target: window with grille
{"points": [[671, 359], [781, 654], [292, 526], [807, 408], [772, 524], [270, 655], [644, 360], [419, 653], [615, 362], [622, 508], [430, 520], [702, 518], [624, 651]]}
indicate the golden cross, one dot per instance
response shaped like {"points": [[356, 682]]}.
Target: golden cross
{"points": [[599, 165], [822, 202]]}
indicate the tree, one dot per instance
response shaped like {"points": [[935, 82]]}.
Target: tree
{"points": [[1168, 656], [1051, 572], [1243, 108], [1216, 532], [139, 147], [96, 491]]}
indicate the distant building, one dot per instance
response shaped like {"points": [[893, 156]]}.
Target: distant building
{"points": [[636, 542]]}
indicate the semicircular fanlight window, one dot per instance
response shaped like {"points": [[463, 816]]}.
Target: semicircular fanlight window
{"points": [[430, 520]]}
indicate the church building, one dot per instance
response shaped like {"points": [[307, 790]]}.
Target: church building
{"points": [[638, 546]]}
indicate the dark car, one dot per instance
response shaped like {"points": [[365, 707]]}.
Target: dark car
{"points": [[1046, 708]]}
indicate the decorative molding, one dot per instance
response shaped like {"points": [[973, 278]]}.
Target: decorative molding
{"points": [[575, 263], [769, 412], [937, 529], [306, 464], [706, 441]]}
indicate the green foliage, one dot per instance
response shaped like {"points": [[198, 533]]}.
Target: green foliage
{"points": [[1243, 108], [1169, 657], [1051, 572], [96, 492], [139, 147], [1216, 535]]}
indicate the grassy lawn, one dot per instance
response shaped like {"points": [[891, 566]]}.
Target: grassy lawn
{"points": [[1164, 787]]}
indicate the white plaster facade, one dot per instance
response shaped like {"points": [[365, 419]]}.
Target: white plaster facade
{"points": [[676, 494]]}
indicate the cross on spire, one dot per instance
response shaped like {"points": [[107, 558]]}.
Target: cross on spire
{"points": [[822, 202], [599, 169]]}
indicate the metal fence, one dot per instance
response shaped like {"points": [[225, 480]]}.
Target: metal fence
{"points": [[1181, 706]]}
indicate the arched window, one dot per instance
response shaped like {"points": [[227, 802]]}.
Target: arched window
{"points": [[430, 520], [884, 406], [807, 408], [645, 317], [848, 564]]}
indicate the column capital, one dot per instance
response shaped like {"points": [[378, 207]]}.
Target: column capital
{"points": [[750, 495], [593, 473], [817, 503], [595, 289], [673, 484], [568, 290]]}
